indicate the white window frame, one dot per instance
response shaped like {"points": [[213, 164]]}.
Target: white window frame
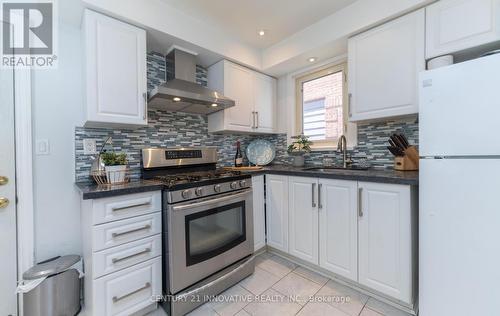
{"points": [[349, 129]]}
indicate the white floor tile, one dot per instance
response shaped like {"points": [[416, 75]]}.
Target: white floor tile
{"points": [[231, 301], [242, 313], [320, 309], [280, 306], [384, 309], [368, 312], [311, 275], [203, 310], [277, 266], [259, 281], [296, 285], [342, 297]]}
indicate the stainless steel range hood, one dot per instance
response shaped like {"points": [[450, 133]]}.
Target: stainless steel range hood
{"points": [[183, 94]]}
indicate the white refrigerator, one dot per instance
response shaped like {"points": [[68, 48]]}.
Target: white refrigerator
{"points": [[459, 217]]}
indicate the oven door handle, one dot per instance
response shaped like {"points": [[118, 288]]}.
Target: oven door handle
{"points": [[211, 201]]}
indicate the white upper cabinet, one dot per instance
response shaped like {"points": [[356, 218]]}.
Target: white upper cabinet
{"points": [[338, 227], [456, 25], [385, 239], [116, 75], [384, 64], [259, 213], [254, 94], [277, 211], [303, 218]]}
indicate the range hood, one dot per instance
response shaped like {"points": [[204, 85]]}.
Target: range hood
{"points": [[183, 94]]}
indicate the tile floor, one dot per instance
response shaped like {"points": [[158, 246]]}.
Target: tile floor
{"points": [[283, 288]]}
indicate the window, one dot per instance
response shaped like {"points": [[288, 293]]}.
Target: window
{"points": [[322, 106]]}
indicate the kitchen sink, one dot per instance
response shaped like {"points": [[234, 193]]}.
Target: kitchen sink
{"points": [[323, 169]]}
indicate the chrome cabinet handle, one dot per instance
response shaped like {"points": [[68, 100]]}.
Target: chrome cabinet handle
{"points": [[145, 251], [313, 187], [350, 105], [360, 202], [145, 227], [257, 120], [119, 298], [115, 209], [253, 119], [145, 96], [320, 186]]}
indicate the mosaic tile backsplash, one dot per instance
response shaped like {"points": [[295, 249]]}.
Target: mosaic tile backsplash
{"points": [[171, 129]]}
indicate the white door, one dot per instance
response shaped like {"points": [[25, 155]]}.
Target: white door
{"points": [[338, 227], [238, 85], [459, 109], [277, 211], [385, 245], [259, 214], [459, 232], [383, 68], [115, 70], [303, 218], [455, 25], [265, 103], [8, 253]]}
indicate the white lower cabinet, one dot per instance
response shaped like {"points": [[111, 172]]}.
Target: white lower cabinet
{"points": [[385, 239], [303, 218], [122, 251], [338, 227], [277, 211], [259, 213], [362, 231]]}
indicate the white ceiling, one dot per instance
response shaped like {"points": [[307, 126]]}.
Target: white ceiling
{"points": [[244, 18]]}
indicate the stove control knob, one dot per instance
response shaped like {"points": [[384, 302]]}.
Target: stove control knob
{"points": [[243, 183], [217, 188], [186, 194], [234, 185], [199, 191]]}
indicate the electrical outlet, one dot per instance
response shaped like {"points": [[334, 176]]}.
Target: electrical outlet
{"points": [[42, 147], [89, 147]]}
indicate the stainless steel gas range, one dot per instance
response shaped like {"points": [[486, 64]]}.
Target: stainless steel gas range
{"points": [[207, 225]]}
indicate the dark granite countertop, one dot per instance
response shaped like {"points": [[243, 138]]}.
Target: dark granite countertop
{"points": [[94, 191], [370, 175]]}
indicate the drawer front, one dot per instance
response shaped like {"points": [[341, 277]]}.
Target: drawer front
{"points": [[124, 256], [120, 232], [125, 206], [128, 291]]}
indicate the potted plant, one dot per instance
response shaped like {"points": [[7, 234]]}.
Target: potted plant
{"points": [[298, 149], [115, 166]]}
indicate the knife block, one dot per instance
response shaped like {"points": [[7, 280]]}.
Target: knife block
{"points": [[409, 162]]}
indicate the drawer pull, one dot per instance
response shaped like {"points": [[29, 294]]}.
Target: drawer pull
{"points": [[145, 251], [115, 209], [116, 299], [146, 227]]}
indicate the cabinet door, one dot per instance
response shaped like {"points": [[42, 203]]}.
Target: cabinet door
{"points": [[303, 215], [338, 227], [455, 25], [385, 247], [259, 221], [116, 74], [277, 211], [265, 103], [383, 68], [238, 85]]}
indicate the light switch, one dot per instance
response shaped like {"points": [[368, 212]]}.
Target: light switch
{"points": [[42, 147]]}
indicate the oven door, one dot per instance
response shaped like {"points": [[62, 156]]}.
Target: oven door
{"points": [[208, 235]]}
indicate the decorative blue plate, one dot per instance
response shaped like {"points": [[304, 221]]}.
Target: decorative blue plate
{"points": [[260, 152]]}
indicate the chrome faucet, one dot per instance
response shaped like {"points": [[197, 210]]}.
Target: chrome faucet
{"points": [[342, 147]]}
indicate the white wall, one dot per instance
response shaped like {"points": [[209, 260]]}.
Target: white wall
{"points": [[57, 109]]}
